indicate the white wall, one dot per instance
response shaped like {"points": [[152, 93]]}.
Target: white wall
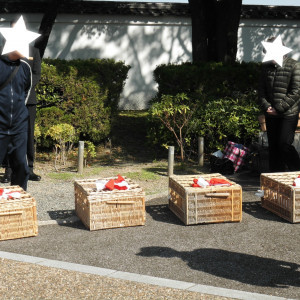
{"points": [[253, 32], [141, 42], [146, 42]]}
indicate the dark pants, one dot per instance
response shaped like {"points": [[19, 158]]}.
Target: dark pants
{"points": [[16, 147], [30, 143], [282, 153]]}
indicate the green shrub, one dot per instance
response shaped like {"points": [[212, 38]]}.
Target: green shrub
{"points": [[175, 113], [226, 119], [64, 136], [83, 93], [89, 152], [226, 100], [111, 75], [209, 79], [45, 119]]}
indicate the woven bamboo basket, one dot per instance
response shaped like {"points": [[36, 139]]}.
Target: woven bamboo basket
{"points": [[213, 204], [280, 196], [109, 209], [18, 218]]}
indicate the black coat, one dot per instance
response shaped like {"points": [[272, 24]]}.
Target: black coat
{"points": [[280, 87], [35, 64]]}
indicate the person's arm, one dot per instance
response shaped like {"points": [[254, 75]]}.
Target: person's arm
{"points": [[293, 95], [265, 104], [28, 78], [36, 67]]}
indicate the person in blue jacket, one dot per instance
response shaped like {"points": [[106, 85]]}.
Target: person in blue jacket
{"points": [[35, 64], [15, 85]]}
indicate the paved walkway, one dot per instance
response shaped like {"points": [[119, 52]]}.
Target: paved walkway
{"points": [[25, 277]]}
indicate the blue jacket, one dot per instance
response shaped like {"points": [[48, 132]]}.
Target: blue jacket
{"points": [[13, 97]]}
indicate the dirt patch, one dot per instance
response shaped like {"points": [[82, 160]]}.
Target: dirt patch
{"points": [[151, 176]]}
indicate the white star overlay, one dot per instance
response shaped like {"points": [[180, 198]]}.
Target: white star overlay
{"points": [[275, 51], [18, 38]]}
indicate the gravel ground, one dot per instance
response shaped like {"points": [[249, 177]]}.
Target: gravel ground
{"points": [[55, 198], [50, 283], [257, 255]]}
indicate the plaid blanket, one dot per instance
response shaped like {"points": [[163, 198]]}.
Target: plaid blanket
{"points": [[236, 153]]}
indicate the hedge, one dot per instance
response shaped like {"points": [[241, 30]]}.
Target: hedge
{"points": [[83, 93], [225, 96]]}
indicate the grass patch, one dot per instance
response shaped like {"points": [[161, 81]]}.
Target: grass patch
{"points": [[160, 164], [134, 113], [93, 171], [64, 175], [142, 175]]}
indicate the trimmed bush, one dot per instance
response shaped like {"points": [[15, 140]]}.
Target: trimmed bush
{"points": [[45, 119], [212, 79], [83, 93], [226, 99], [226, 119]]}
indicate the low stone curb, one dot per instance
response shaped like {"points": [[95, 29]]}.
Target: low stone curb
{"points": [[162, 282]]}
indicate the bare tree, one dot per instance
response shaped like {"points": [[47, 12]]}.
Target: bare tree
{"points": [[215, 25]]}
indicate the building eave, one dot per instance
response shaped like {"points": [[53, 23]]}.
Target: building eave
{"points": [[140, 8], [101, 7], [270, 12]]}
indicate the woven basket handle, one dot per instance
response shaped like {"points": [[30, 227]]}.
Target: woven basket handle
{"points": [[11, 213], [217, 195], [119, 202]]}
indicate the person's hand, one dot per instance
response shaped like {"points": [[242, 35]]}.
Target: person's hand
{"points": [[14, 55], [271, 111]]}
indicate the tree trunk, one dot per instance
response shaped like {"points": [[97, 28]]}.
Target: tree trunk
{"points": [[47, 23], [200, 34], [214, 29], [228, 14]]}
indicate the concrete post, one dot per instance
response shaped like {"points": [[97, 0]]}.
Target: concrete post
{"points": [[201, 151], [80, 156], [171, 160]]}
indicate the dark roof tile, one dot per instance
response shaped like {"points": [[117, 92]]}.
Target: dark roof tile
{"points": [[140, 8]]}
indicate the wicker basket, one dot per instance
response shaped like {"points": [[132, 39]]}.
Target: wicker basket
{"points": [[280, 196], [18, 218], [214, 204], [109, 209]]}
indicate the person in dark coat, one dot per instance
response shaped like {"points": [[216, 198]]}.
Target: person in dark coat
{"points": [[35, 64], [279, 96], [14, 115]]}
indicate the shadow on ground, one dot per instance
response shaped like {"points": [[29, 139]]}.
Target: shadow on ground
{"points": [[162, 213], [61, 214], [257, 211], [245, 268], [250, 181]]}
